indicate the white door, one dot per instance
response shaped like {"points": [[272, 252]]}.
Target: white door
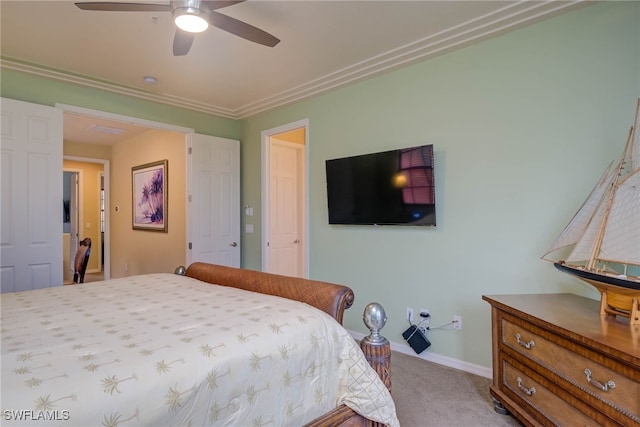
{"points": [[74, 218], [214, 209], [32, 205], [285, 196]]}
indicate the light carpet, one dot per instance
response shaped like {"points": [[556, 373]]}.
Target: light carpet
{"points": [[428, 394]]}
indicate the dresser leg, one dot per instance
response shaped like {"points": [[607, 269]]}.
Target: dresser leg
{"points": [[497, 406]]}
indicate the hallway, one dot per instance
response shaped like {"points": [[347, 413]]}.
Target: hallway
{"points": [[93, 277]]}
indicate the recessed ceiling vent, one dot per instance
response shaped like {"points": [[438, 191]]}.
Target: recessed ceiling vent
{"points": [[106, 129]]}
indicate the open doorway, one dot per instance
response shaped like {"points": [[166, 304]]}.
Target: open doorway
{"points": [[284, 205], [91, 136], [70, 220], [83, 196], [88, 137]]}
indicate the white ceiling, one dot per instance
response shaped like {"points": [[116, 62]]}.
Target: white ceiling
{"points": [[324, 45]]}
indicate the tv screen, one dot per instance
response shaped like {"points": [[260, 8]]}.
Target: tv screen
{"points": [[393, 187]]}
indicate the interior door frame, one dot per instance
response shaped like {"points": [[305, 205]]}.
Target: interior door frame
{"points": [[107, 228], [139, 122], [266, 136], [75, 214]]}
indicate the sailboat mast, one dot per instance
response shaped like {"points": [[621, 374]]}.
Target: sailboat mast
{"points": [[614, 186]]}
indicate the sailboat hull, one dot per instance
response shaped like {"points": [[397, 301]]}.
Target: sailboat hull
{"points": [[602, 282], [619, 297]]}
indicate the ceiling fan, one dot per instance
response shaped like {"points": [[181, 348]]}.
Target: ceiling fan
{"points": [[191, 16]]}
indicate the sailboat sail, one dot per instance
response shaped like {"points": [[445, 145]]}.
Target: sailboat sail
{"points": [[621, 241], [574, 231], [605, 232], [586, 245], [635, 147]]}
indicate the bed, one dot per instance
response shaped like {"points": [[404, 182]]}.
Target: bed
{"points": [[216, 346]]}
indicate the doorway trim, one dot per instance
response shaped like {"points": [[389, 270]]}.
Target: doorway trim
{"points": [[122, 118], [107, 227], [266, 136], [139, 122]]}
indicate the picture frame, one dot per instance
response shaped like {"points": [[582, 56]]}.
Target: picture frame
{"points": [[149, 183]]}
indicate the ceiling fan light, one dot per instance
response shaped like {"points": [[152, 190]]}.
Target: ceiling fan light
{"points": [[190, 19]]}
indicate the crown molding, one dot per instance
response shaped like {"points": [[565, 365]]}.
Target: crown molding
{"points": [[509, 17], [33, 69], [512, 16]]}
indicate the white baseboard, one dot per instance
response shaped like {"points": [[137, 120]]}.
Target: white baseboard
{"points": [[482, 371]]}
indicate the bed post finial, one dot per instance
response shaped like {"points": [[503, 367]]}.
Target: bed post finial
{"points": [[376, 348], [374, 318], [181, 271]]}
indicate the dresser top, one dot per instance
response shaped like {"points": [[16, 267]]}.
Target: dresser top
{"points": [[576, 318]]}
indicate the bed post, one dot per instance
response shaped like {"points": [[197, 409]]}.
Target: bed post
{"points": [[375, 347]]}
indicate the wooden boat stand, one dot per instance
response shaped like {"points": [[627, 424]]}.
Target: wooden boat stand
{"points": [[616, 303]]}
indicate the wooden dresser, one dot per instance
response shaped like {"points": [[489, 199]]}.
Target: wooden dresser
{"points": [[556, 361]]}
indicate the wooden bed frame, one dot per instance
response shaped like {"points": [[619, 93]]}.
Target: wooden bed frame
{"points": [[328, 297]]}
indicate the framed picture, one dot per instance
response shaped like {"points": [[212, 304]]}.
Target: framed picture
{"points": [[149, 192]]}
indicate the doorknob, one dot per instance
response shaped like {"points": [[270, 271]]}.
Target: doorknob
{"points": [[296, 241], [234, 244]]}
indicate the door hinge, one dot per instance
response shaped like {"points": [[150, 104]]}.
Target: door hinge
{"points": [[189, 197], [190, 150], [190, 245]]}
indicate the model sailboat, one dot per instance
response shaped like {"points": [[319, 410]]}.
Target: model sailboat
{"points": [[605, 235]]}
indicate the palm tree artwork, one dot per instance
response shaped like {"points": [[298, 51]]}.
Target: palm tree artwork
{"points": [[151, 201], [149, 196]]}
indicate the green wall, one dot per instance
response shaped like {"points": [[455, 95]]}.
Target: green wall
{"points": [[39, 90], [523, 125]]}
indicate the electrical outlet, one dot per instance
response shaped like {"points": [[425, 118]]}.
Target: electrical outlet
{"points": [[457, 322], [410, 314]]}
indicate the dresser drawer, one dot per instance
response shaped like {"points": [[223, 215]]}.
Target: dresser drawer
{"points": [[553, 408], [611, 385]]}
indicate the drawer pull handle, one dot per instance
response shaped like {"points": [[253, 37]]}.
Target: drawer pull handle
{"points": [[528, 345], [610, 385], [528, 391]]}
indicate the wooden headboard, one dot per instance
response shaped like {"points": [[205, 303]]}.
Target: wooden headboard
{"points": [[328, 297]]}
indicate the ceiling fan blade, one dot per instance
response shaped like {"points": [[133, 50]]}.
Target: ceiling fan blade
{"points": [[182, 42], [106, 6], [242, 29], [219, 4]]}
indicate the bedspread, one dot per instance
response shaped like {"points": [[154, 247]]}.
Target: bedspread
{"points": [[163, 349]]}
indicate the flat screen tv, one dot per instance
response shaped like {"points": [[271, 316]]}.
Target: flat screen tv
{"points": [[393, 187]]}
